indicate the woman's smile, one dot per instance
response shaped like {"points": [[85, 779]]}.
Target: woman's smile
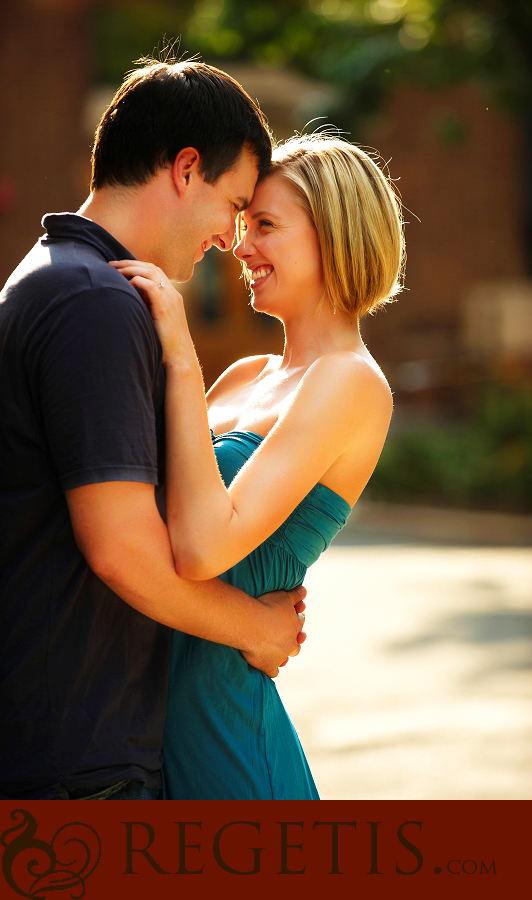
{"points": [[260, 273]]}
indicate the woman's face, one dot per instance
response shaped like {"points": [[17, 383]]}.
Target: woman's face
{"points": [[281, 251]]}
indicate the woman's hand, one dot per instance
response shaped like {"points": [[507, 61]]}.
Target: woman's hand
{"points": [[166, 307]]}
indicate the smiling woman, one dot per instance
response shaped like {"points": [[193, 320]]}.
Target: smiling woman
{"points": [[352, 210], [280, 250], [294, 441]]}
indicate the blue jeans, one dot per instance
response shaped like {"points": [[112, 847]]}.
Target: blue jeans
{"points": [[123, 790]]}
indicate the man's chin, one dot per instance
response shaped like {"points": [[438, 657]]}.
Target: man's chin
{"points": [[184, 275], [186, 272]]}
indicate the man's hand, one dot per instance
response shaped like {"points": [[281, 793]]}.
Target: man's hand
{"points": [[288, 612]]}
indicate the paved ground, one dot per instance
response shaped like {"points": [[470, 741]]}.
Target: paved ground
{"points": [[415, 679]]}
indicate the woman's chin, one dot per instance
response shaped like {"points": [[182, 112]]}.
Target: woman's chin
{"points": [[256, 303], [265, 310]]}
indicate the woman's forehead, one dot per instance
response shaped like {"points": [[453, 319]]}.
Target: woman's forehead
{"points": [[273, 192]]}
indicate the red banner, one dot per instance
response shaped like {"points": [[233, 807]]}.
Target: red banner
{"points": [[139, 849]]}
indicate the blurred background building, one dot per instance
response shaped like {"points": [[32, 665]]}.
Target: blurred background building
{"points": [[428, 696], [442, 89]]}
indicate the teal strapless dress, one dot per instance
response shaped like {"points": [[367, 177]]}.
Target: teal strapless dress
{"points": [[227, 734]]}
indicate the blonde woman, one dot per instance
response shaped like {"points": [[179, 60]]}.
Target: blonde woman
{"points": [[294, 441]]}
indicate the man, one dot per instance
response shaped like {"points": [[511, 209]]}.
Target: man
{"points": [[84, 674]]}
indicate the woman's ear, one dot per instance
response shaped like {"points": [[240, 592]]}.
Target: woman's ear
{"points": [[186, 166]]}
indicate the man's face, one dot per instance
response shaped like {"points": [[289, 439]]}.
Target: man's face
{"points": [[212, 213]]}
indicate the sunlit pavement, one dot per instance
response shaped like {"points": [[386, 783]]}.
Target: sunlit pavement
{"points": [[415, 682]]}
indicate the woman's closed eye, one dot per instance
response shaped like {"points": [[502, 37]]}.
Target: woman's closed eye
{"points": [[261, 224]]}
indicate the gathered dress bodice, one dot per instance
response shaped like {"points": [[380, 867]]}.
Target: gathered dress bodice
{"points": [[227, 734]]}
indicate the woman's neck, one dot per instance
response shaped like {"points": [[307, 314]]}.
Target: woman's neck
{"points": [[308, 337]]}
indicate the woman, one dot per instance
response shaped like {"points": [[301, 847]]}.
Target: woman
{"points": [[322, 245]]}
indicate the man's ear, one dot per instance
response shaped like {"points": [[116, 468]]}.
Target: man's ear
{"points": [[186, 166]]}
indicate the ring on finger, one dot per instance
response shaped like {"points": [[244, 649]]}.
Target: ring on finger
{"points": [[161, 284]]}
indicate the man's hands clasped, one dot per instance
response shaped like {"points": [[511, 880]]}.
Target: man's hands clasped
{"points": [[288, 620]]}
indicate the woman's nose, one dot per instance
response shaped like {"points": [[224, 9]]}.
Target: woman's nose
{"points": [[244, 248]]}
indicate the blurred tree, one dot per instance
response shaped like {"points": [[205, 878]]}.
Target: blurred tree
{"points": [[365, 46]]}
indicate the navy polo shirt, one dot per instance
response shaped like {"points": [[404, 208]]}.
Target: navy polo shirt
{"points": [[83, 676]]}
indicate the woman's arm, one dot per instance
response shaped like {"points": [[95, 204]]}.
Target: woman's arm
{"points": [[120, 533], [341, 407]]}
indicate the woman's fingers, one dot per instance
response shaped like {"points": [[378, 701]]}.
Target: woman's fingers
{"points": [[166, 307], [138, 265], [162, 298], [140, 281], [153, 278]]}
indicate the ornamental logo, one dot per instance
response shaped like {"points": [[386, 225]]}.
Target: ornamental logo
{"points": [[34, 868]]}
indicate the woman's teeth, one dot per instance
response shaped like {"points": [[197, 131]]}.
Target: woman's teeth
{"points": [[260, 273]]}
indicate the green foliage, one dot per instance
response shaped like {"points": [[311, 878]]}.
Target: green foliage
{"points": [[365, 46], [123, 35], [485, 463]]}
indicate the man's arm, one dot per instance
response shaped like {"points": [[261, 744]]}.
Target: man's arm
{"points": [[120, 533]]}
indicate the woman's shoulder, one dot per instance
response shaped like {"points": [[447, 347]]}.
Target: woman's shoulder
{"points": [[350, 373], [240, 372]]}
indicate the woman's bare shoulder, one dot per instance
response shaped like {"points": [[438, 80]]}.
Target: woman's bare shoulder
{"points": [[240, 372], [351, 374]]}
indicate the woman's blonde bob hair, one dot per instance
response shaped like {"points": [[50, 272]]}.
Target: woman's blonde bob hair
{"points": [[357, 216]]}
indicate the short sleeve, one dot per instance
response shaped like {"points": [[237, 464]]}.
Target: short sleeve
{"points": [[95, 367]]}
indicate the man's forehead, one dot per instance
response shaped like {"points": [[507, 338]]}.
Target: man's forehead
{"points": [[244, 177]]}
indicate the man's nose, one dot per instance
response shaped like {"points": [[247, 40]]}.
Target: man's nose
{"points": [[225, 241]]}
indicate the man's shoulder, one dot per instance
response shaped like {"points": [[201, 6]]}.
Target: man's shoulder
{"points": [[63, 266], [58, 276], [69, 258]]}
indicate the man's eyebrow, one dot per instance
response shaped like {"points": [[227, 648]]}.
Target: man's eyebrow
{"points": [[243, 203]]}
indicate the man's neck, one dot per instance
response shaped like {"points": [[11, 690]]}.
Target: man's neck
{"points": [[117, 212]]}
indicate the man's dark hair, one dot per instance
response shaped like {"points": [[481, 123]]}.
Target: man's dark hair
{"points": [[163, 108]]}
